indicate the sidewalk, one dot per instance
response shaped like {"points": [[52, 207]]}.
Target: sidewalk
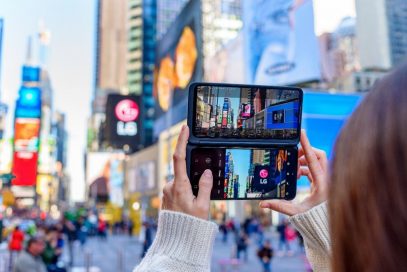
{"points": [[221, 260]]}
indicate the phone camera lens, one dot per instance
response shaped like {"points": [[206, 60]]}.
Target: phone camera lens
{"points": [[208, 160]]}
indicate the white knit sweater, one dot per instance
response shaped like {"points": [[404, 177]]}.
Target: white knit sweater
{"points": [[184, 243]]}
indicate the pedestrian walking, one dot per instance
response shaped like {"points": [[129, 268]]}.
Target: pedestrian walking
{"points": [[30, 259], [265, 254], [283, 245], [148, 237], [224, 230], [102, 229], [242, 243], [290, 236], [15, 244]]}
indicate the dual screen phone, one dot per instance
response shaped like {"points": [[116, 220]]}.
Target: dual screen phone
{"points": [[248, 136]]}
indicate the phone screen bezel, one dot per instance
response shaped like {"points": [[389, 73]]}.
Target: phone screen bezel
{"points": [[246, 142]]}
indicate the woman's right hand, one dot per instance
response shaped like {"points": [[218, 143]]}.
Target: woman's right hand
{"points": [[313, 163]]}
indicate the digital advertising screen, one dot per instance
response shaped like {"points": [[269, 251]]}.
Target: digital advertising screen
{"points": [[179, 62], [280, 44], [124, 121], [25, 156], [105, 177], [142, 178], [234, 112]]}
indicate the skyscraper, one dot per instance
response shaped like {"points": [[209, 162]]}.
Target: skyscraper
{"points": [[111, 45], [142, 21], [110, 63], [382, 33]]}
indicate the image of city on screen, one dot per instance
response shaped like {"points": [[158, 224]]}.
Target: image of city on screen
{"points": [[234, 112], [245, 173]]}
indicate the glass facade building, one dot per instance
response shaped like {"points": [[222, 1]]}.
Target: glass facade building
{"points": [[141, 57], [396, 11]]}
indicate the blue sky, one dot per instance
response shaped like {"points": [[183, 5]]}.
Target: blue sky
{"points": [[241, 158], [71, 64]]}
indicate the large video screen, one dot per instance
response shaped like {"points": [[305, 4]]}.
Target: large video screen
{"points": [[234, 112], [105, 177], [280, 44], [178, 63], [246, 173]]}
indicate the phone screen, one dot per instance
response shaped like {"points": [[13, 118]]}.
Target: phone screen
{"points": [[246, 173], [238, 112]]}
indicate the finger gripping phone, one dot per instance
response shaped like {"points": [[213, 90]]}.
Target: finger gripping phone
{"points": [[248, 136]]}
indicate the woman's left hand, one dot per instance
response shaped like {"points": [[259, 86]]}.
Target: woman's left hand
{"points": [[178, 194]]}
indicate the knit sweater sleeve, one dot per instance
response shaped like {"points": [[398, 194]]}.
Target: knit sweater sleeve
{"points": [[313, 226], [183, 243]]}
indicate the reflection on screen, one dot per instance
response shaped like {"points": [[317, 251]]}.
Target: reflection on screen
{"points": [[231, 112]]}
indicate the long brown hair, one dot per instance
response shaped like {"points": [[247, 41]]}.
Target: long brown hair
{"points": [[368, 195]]}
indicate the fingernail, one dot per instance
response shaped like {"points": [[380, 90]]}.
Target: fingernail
{"points": [[208, 173], [183, 127], [264, 205]]}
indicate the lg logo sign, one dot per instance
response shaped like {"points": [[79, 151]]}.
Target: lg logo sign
{"points": [[264, 174], [127, 111]]}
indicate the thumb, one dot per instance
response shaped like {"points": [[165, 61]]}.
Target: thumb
{"points": [[282, 206], [205, 187]]}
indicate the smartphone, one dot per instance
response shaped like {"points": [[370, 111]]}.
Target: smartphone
{"points": [[248, 136], [246, 173], [244, 115]]}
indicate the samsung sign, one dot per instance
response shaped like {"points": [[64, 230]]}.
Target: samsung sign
{"points": [[123, 121]]}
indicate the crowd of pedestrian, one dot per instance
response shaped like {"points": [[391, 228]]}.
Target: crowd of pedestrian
{"points": [[251, 233], [40, 242]]}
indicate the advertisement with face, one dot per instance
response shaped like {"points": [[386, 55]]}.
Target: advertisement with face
{"points": [[280, 44], [179, 62], [223, 67], [105, 176]]}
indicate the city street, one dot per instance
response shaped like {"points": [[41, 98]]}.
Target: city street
{"points": [[121, 253]]}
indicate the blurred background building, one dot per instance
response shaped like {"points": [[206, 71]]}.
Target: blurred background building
{"points": [[3, 107], [142, 20], [140, 46], [382, 33]]}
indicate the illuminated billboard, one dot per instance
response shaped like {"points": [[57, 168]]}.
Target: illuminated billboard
{"points": [[25, 158], [280, 44], [178, 63], [29, 102], [124, 121], [27, 124], [142, 178], [105, 177]]}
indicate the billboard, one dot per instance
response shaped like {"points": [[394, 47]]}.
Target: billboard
{"points": [[323, 116], [123, 121], [142, 177], [178, 62], [280, 43], [105, 177], [29, 102], [223, 67], [25, 157]]}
